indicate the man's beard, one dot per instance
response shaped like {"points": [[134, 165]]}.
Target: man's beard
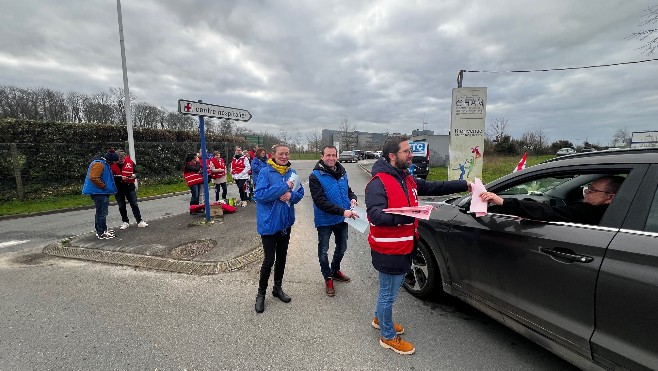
{"points": [[401, 163]]}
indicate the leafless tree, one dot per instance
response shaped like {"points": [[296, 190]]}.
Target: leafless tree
{"points": [[621, 138], [648, 35], [314, 140], [348, 137], [497, 128], [225, 127]]}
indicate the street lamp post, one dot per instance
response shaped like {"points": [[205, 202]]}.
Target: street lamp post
{"points": [[126, 91]]}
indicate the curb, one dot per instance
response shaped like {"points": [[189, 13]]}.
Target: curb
{"points": [[88, 207], [190, 267]]}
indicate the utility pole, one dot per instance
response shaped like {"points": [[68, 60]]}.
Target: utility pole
{"points": [[126, 91]]}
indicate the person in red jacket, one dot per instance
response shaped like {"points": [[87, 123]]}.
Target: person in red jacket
{"points": [[217, 173], [124, 176], [193, 178], [240, 171]]}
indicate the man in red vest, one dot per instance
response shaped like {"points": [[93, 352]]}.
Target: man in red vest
{"points": [[124, 176], [392, 237]]}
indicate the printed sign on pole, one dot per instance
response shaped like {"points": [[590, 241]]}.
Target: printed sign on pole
{"points": [[469, 106]]}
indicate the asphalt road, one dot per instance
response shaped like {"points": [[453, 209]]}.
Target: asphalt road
{"points": [[68, 314]]}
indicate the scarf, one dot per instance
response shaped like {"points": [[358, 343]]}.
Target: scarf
{"points": [[279, 168]]}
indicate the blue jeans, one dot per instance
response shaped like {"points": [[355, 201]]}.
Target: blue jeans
{"points": [[130, 194], [340, 235], [389, 286], [196, 190], [102, 203]]}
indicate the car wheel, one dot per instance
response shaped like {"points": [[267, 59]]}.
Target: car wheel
{"points": [[424, 280]]}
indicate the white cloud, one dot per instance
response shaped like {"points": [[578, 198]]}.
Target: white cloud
{"points": [[387, 65]]}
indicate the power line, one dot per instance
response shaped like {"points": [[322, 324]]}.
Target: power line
{"points": [[460, 76]]}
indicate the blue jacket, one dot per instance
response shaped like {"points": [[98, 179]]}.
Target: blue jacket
{"points": [[107, 177], [272, 214], [336, 191], [256, 166]]}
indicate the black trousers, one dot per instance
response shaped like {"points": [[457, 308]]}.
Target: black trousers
{"points": [[276, 250], [243, 193]]}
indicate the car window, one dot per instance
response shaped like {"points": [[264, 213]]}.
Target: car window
{"points": [[652, 219], [536, 187], [554, 190]]}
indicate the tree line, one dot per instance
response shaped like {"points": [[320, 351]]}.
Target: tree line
{"points": [[536, 142]]}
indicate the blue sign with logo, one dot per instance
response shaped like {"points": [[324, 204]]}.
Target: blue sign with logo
{"points": [[418, 148]]}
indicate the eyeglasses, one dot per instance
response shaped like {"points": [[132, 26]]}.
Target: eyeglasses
{"points": [[406, 151], [588, 190]]}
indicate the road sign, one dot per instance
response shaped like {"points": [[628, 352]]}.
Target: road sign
{"points": [[188, 107]]}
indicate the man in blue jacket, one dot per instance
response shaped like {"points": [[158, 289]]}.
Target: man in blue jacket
{"points": [[392, 237], [332, 202], [99, 184]]}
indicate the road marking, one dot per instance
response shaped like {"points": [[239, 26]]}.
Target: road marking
{"points": [[12, 243]]}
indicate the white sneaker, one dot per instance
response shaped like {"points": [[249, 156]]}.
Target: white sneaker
{"points": [[105, 236], [142, 224], [124, 225], [110, 231]]}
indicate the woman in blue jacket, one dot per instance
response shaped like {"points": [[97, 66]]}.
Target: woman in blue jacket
{"points": [[257, 164], [277, 192]]}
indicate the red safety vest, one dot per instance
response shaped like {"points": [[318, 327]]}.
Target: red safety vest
{"points": [[192, 178], [399, 239], [218, 164], [237, 165], [127, 170]]}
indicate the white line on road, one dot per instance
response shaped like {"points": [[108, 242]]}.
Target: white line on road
{"points": [[12, 243]]}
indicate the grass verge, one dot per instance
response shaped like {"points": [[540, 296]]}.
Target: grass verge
{"points": [[64, 202]]}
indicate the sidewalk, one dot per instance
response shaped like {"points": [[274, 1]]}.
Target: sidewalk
{"points": [[180, 243]]}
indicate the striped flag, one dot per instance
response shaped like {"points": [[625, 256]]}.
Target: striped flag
{"points": [[521, 164]]}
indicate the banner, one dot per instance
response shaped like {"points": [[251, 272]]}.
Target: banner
{"points": [[469, 106]]}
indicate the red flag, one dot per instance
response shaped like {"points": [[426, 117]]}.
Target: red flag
{"points": [[521, 164]]}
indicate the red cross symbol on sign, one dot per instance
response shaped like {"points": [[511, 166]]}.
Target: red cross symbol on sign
{"points": [[188, 107]]}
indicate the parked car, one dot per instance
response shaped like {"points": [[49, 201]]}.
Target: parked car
{"points": [[588, 149], [588, 293], [378, 154], [565, 151], [348, 156], [370, 155], [359, 154]]}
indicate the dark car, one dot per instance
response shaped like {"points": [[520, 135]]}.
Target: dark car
{"points": [[421, 159], [588, 293], [348, 156]]}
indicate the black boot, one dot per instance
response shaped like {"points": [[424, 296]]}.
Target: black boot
{"points": [[260, 301], [277, 291]]}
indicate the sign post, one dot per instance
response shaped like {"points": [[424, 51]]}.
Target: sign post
{"points": [[188, 107]]}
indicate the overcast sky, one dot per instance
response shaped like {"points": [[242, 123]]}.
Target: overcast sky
{"points": [[385, 65]]}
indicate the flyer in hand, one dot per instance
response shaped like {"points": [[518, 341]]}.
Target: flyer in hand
{"points": [[420, 212]]}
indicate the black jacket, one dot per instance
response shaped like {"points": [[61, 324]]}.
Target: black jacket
{"points": [[376, 201], [578, 213], [317, 192]]}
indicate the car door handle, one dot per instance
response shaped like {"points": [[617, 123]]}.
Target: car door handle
{"points": [[566, 254]]}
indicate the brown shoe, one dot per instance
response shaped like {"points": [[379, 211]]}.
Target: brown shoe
{"points": [[398, 345], [330, 287], [340, 277], [398, 327]]}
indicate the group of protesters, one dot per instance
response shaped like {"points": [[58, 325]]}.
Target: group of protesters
{"points": [[278, 189], [244, 170]]}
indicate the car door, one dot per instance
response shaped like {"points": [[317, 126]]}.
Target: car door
{"points": [[626, 332], [540, 274]]}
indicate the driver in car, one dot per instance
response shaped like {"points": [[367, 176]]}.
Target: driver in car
{"points": [[596, 198]]}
